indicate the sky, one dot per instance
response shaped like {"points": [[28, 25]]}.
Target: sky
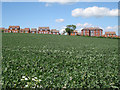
{"points": [[58, 15]]}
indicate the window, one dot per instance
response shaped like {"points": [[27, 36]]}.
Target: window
{"points": [[100, 33], [83, 32]]}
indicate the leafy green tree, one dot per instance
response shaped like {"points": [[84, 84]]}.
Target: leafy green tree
{"points": [[70, 28]]}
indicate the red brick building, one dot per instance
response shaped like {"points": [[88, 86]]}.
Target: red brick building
{"points": [[25, 30], [110, 34], [54, 31], [92, 31], [44, 30], [14, 29], [33, 30], [74, 33]]}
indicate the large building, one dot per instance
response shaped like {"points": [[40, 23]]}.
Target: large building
{"points": [[92, 31], [33, 30], [44, 30], [14, 29], [110, 34], [74, 33], [25, 30], [54, 31]]}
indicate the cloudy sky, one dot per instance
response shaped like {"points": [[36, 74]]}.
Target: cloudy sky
{"points": [[58, 15]]}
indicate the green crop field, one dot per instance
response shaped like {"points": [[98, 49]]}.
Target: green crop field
{"points": [[34, 60]]}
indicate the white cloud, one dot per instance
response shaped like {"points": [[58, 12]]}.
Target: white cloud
{"points": [[19, 0], [59, 20], [60, 1], [71, 1], [48, 4], [83, 25], [80, 26], [94, 12]]}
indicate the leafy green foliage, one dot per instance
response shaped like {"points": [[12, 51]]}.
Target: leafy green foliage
{"points": [[70, 28], [34, 60]]}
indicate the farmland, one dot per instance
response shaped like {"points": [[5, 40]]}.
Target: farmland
{"points": [[34, 60]]}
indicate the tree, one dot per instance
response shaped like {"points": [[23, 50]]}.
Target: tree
{"points": [[70, 28]]}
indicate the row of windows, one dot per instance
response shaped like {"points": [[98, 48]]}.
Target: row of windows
{"points": [[44, 32], [111, 34], [92, 33], [74, 33], [12, 29]]}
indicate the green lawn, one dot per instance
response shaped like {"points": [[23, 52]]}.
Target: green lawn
{"points": [[34, 60]]}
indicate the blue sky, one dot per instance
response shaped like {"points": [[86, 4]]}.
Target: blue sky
{"points": [[36, 14]]}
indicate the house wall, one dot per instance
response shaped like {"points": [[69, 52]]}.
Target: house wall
{"points": [[93, 33], [14, 31], [33, 31], [43, 32], [110, 35], [73, 33], [56, 33]]}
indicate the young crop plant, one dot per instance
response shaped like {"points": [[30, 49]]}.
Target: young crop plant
{"points": [[41, 61]]}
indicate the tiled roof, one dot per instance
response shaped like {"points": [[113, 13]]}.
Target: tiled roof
{"points": [[110, 33], [75, 31], [92, 28], [14, 26], [54, 30], [43, 28], [2, 28], [27, 29]]}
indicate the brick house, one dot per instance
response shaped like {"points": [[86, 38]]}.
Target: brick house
{"points": [[7, 31], [2, 29], [74, 33], [14, 29], [25, 30], [92, 31], [110, 34], [54, 31], [21, 31], [44, 30], [33, 30]]}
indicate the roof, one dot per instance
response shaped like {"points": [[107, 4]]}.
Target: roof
{"points": [[14, 26], [27, 29], [75, 31], [54, 30], [33, 29], [110, 32], [43, 27], [92, 28], [2, 28]]}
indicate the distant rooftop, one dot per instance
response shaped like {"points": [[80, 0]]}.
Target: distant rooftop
{"points": [[110, 33], [91, 28]]}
